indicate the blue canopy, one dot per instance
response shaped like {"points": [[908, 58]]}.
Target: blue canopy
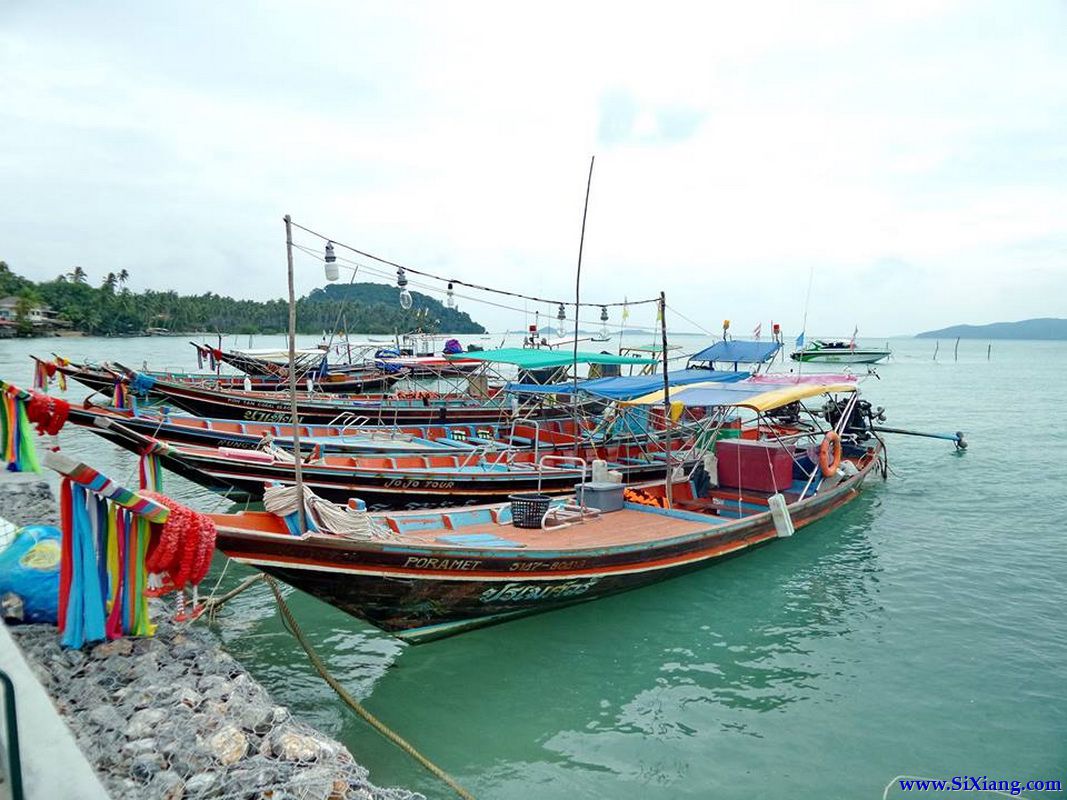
{"points": [[738, 352], [629, 386]]}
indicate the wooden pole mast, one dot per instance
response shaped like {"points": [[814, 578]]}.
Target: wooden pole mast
{"points": [[297, 466], [577, 308], [669, 488]]}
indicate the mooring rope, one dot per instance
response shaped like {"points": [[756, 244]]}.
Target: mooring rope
{"points": [[316, 661]]}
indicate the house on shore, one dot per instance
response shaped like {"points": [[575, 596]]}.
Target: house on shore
{"points": [[42, 318]]}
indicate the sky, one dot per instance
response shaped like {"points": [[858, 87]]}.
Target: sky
{"points": [[906, 158]]}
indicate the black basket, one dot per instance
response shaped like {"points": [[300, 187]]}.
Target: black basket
{"points": [[527, 510]]}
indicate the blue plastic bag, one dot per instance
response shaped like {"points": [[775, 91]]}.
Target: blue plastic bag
{"points": [[29, 568]]}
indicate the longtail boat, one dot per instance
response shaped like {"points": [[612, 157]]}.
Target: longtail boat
{"points": [[262, 363], [424, 575], [407, 408], [409, 439], [420, 407], [400, 481], [103, 377]]}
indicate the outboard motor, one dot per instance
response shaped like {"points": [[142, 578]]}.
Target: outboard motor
{"points": [[860, 418]]}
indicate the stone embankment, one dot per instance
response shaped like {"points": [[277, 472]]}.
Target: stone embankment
{"points": [[174, 716]]}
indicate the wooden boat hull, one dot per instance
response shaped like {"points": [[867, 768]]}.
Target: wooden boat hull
{"points": [[424, 592], [234, 434], [384, 489], [103, 381], [264, 407]]}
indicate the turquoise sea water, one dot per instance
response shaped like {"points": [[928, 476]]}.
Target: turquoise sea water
{"points": [[921, 630]]}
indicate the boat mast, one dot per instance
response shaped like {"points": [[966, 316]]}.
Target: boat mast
{"points": [[297, 468], [577, 310], [668, 487]]}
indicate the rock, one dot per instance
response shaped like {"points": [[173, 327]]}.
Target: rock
{"points": [[167, 785], [119, 647], [200, 784], [107, 717], [139, 747], [143, 723], [281, 715], [292, 746], [228, 745], [190, 698], [209, 682], [317, 783], [145, 667], [75, 657], [214, 687], [257, 717], [260, 775], [187, 758], [145, 766]]}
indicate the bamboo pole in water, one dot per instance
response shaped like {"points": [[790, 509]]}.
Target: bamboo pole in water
{"points": [[956, 350], [297, 466]]}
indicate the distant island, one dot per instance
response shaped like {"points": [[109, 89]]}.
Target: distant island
{"points": [[1043, 328], [69, 303]]}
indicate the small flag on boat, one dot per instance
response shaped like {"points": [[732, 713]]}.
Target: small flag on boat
{"points": [[852, 342], [757, 331], [800, 340]]}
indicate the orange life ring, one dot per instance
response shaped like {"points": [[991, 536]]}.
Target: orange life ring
{"points": [[830, 467]]}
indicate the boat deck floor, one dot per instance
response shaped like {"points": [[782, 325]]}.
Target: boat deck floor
{"points": [[488, 529], [618, 528]]}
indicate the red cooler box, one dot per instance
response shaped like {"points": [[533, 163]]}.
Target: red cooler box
{"points": [[755, 466]]}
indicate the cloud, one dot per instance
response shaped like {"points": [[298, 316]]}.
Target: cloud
{"points": [[738, 147]]}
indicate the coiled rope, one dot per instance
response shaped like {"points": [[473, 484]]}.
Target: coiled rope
{"points": [[294, 628]]}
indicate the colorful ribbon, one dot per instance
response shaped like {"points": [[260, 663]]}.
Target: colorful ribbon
{"points": [[16, 434]]}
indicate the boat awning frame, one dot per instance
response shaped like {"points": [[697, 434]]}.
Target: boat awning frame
{"points": [[530, 358], [738, 351], [627, 387], [760, 398]]}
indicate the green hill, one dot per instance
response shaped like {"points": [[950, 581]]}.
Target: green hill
{"points": [[112, 309], [1042, 328]]}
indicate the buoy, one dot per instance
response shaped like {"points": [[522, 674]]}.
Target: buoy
{"points": [[783, 523], [830, 443]]}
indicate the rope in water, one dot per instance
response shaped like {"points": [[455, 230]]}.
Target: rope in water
{"points": [[320, 667]]}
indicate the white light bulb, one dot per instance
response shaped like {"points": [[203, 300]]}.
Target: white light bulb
{"points": [[405, 299], [330, 258]]}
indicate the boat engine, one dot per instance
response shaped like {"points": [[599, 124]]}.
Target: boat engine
{"points": [[860, 420]]}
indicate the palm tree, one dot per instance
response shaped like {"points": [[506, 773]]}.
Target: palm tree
{"points": [[109, 282], [124, 275], [77, 275]]}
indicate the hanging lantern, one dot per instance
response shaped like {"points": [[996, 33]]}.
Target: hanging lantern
{"points": [[402, 285], [604, 332], [450, 300], [332, 273], [561, 314]]}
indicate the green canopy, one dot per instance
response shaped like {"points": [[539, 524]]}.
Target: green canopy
{"points": [[529, 358]]}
